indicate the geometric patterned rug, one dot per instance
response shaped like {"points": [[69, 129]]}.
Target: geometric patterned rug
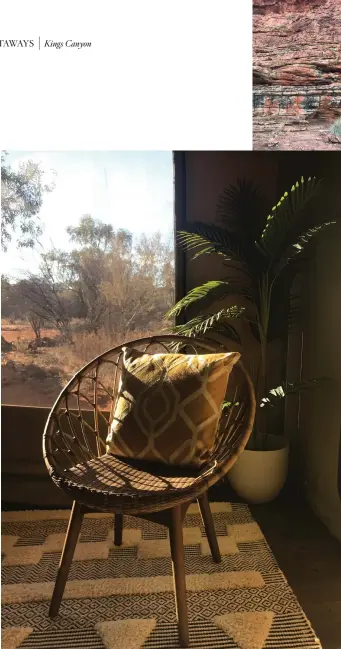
{"points": [[122, 598]]}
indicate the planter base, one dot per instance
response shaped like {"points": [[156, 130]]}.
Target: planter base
{"points": [[258, 476]]}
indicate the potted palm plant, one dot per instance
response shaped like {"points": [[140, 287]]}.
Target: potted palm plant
{"points": [[262, 251]]}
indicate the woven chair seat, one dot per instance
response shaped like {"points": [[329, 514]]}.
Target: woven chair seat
{"points": [[74, 443], [121, 484]]}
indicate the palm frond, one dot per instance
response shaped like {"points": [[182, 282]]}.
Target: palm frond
{"points": [[244, 288], [300, 245], [242, 209], [286, 388], [217, 322], [208, 292], [227, 405], [285, 216], [206, 239]]}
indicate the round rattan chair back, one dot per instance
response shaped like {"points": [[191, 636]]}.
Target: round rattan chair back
{"points": [[79, 421]]}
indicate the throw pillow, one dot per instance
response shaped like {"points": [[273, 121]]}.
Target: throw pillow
{"points": [[169, 406]]}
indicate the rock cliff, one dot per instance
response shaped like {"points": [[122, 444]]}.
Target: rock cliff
{"points": [[282, 6], [297, 42]]}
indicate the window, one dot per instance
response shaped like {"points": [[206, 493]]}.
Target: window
{"points": [[88, 261]]}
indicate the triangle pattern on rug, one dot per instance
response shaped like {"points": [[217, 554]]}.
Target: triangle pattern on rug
{"points": [[126, 634], [249, 630]]}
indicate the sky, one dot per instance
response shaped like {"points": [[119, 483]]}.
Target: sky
{"points": [[131, 190]]}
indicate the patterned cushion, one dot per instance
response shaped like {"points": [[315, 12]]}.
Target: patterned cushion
{"points": [[169, 406]]}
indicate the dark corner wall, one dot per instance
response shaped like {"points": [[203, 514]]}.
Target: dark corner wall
{"points": [[25, 480], [314, 421]]}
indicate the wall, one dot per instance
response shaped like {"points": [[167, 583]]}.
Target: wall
{"points": [[25, 480], [320, 419], [207, 175], [315, 350], [316, 420]]}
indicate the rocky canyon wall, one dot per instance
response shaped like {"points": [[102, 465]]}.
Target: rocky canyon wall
{"points": [[281, 6], [297, 42]]}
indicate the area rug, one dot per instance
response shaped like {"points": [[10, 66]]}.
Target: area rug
{"points": [[122, 598]]}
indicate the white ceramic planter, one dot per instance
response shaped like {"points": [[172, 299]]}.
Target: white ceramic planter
{"points": [[258, 476]]}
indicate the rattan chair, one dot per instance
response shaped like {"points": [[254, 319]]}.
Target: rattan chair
{"points": [[75, 454]]}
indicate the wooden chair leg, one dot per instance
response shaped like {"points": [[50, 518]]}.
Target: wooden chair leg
{"points": [[118, 529], [207, 519], [75, 523], [178, 564]]}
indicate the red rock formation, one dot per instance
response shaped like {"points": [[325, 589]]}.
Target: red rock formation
{"points": [[282, 6], [297, 42]]}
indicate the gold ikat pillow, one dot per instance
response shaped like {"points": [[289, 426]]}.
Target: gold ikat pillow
{"points": [[169, 406]]}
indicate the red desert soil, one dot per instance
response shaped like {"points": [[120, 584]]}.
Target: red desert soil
{"points": [[28, 395], [11, 333], [27, 380], [35, 379]]}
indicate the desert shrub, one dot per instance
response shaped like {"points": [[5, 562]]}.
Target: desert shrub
{"points": [[22, 346], [336, 128], [87, 346], [44, 342]]}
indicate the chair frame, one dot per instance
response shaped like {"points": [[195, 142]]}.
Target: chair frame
{"points": [[83, 446]]}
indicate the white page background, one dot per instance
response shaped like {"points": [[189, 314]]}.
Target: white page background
{"points": [[160, 74]]}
